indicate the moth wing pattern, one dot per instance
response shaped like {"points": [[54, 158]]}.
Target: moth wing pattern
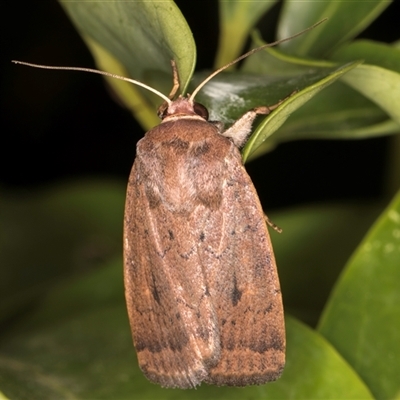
{"points": [[180, 340], [199, 266], [165, 285], [246, 292]]}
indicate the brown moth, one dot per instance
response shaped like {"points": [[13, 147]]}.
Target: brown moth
{"points": [[201, 283]]}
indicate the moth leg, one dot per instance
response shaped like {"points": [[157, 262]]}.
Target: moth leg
{"points": [[174, 89], [272, 225], [241, 129], [176, 85]]}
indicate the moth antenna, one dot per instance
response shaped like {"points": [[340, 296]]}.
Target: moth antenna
{"points": [[95, 71], [249, 53]]}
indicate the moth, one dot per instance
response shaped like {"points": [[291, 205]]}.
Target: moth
{"points": [[201, 283]]}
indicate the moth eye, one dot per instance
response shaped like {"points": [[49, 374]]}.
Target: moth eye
{"points": [[200, 110]]}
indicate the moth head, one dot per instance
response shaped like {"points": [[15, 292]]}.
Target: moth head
{"points": [[182, 106]]}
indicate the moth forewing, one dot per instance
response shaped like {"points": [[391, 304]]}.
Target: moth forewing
{"points": [[174, 322], [200, 273], [245, 289]]}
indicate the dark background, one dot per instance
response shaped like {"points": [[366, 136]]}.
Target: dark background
{"points": [[59, 126]]}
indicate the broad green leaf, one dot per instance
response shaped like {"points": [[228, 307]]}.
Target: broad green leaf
{"points": [[321, 129], [379, 78], [337, 112], [374, 53], [272, 61], [141, 37], [229, 95], [346, 19], [380, 85], [327, 375], [237, 18], [308, 87], [362, 317]]}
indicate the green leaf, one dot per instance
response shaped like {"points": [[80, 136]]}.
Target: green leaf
{"points": [[267, 77], [337, 112], [314, 370], [308, 87], [361, 319], [380, 85], [272, 61], [237, 18], [346, 19], [379, 81], [229, 95], [140, 37], [374, 53]]}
